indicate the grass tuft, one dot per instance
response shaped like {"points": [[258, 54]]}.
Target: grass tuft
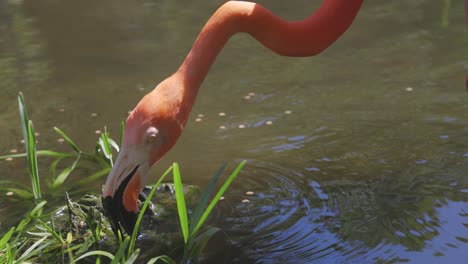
{"points": [[37, 238]]}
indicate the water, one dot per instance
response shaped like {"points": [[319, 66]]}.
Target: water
{"points": [[358, 155]]}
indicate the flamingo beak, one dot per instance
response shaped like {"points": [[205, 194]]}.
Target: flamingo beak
{"points": [[120, 194]]}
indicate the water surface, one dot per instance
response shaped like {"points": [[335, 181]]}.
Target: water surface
{"points": [[358, 155]]}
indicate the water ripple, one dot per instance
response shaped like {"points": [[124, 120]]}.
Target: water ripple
{"points": [[284, 221]]}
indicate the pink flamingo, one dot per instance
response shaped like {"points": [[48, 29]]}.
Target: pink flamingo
{"points": [[157, 121]]}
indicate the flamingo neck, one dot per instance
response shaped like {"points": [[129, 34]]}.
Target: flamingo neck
{"points": [[300, 38]]}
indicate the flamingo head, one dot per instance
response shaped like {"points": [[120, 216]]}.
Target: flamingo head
{"points": [[150, 132]]}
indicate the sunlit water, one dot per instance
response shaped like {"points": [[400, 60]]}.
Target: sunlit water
{"points": [[358, 155]]}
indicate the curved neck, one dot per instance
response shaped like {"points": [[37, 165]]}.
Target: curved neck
{"points": [[301, 38]]}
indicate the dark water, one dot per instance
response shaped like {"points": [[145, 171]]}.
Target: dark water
{"points": [[358, 155]]}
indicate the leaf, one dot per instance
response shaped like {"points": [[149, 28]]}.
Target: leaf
{"points": [[164, 258], [32, 162], [22, 224], [216, 198], [30, 146], [64, 174], [122, 131], [133, 257], [53, 167], [68, 140], [113, 144], [143, 210], [204, 199], [8, 254], [31, 249], [6, 182], [202, 240], [39, 234], [12, 156], [49, 153], [52, 153], [52, 232], [18, 189], [94, 253], [37, 209], [6, 237], [22, 193], [105, 146], [94, 176], [120, 253], [24, 119], [179, 192], [69, 238]]}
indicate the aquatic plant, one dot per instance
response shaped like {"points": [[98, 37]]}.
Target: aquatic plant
{"points": [[37, 237]]}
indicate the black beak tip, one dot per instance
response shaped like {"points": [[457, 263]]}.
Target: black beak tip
{"points": [[114, 208], [118, 216]]}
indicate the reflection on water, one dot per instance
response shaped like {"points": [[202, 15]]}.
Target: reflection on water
{"points": [[284, 216], [23, 63], [279, 218], [358, 155], [22, 57]]}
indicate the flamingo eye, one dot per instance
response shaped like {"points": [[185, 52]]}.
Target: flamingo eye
{"points": [[151, 134]]}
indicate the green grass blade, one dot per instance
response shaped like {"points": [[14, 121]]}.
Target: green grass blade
{"points": [[143, 209], [32, 250], [113, 144], [12, 156], [30, 147], [36, 211], [131, 259], [122, 131], [163, 258], [6, 237], [32, 161], [23, 224], [21, 193], [53, 167], [49, 153], [95, 253], [181, 208], [94, 176], [24, 118], [201, 205], [52, 232], [106, 147], [84, 246], [68, 140], [3, 183], [9, 254], [202, 240], [64, 174], [216, 198], [39, 234], [120, 253]]}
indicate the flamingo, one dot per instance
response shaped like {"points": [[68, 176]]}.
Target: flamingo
{"points": [[157, 121]]}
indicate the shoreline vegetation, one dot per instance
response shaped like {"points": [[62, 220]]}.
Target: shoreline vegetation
{"points": [[80, 231]]}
